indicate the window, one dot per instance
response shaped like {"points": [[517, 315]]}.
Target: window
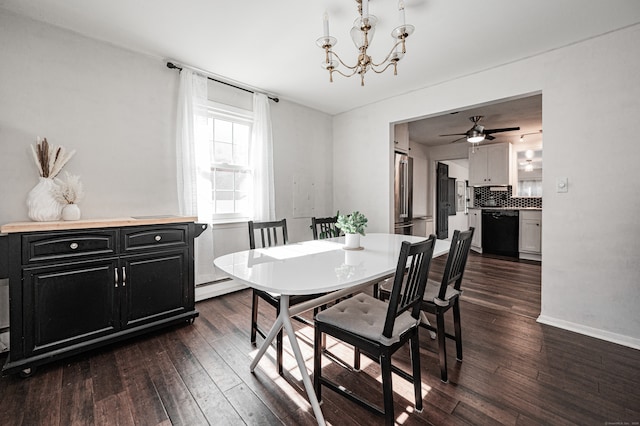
{"points": [[530, 188], [229, 135]]}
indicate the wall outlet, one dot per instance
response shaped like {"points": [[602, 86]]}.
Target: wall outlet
{"points": [[562, 184]]}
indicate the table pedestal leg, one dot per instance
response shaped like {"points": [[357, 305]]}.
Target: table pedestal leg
{"points": [[311, 393], [284, 320], [424, 319], [267, 341]]}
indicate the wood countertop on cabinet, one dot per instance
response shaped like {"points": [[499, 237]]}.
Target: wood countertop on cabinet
{"points": [[93, 223]]}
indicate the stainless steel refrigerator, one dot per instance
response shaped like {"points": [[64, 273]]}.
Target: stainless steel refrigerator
{"points": [[403, 194]]}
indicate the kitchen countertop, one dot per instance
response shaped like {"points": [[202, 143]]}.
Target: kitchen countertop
{"points": [[93, 223]]}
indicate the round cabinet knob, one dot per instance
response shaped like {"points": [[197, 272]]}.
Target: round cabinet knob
{"points": [[157, 238], [73, 246]]}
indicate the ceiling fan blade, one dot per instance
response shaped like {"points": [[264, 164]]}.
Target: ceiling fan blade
{"points": [[455, 134], [505, 129], [489, 137], [459, 139]]}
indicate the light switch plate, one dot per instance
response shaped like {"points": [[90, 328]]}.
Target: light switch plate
{"points": [[562, 184]]}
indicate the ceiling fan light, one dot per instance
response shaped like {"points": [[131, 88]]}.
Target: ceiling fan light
{"points": [[475, 136]]}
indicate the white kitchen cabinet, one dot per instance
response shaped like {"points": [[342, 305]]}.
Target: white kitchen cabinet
{"points": [[530, 238], [401, 137], [490, 164], [475, 221]]}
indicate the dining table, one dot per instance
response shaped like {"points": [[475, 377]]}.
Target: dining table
{"points": [[317, 267]]}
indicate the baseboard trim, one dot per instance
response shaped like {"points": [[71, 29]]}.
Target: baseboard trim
{"points": [[590, 331], [530, 256], [218, 289]]}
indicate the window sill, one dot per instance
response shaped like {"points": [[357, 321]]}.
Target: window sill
{"points": [[228, 222]]}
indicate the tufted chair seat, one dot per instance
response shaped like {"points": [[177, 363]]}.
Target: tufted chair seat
{"points": [[365, 315]]}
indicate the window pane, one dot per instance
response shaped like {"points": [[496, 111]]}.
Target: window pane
{"points": [[223, 131], [242, 202], [241, 136], [530, 188], [224, 202], [243, 180], [222, 153], [224, 180]]}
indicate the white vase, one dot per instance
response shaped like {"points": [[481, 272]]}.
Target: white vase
{"points": [[352, 241], [43, 207], [71, 212]]}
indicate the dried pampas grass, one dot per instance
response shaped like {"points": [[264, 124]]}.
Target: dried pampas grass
{"points": [[68, 191], [50, 159]]}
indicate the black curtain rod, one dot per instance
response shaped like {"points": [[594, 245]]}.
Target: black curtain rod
{"points": [[174, 66]]}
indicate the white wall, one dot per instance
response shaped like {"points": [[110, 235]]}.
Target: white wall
{"points": [[303, 152], [116, 108], [591, 101]]}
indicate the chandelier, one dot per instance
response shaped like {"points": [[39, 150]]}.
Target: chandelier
{"points": [[362, 32]]}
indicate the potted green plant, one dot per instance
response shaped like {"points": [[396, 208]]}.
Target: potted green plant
{"points": [[353, 226]]}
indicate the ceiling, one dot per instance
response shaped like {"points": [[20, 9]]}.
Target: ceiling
{"points": [[271, 44], [525, 113]]}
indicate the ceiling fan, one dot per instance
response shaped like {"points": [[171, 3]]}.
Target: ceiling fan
{"points": [[478, 133]]}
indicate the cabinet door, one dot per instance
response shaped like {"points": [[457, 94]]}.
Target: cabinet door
{"points": [[530, 236], [498, 164], [477, 166], [68, 304], [475, 221], [155, 286], [401, 137]]}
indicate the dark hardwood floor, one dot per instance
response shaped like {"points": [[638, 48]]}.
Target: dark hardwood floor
{"points": [[515, 371]]}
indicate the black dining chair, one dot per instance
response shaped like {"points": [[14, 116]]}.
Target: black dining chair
{"points": [[269, 234], [441, 296], [324, 227], [378, 329]]}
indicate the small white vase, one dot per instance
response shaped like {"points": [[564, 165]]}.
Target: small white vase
{"points": [[71, 212], [43, 207], [351, 241]]}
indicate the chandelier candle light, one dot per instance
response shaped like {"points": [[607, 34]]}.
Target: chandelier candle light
{"points": [[362, 34]]}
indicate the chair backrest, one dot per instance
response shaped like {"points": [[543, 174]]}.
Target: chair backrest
{"points": [[324, 227], [268, 233], [456, 261], [410, 281]]}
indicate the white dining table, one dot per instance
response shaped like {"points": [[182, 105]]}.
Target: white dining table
{"points": [[315, 267]]}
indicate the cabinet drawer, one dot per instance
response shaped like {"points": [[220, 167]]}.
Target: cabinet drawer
{"points": [[143, 238], [42, 247]]}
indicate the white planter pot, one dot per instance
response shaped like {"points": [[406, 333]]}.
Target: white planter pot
{"points": [[71, 212], [43, 207], [352, 241]]}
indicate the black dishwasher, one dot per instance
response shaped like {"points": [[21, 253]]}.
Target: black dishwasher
{"points": [[500, 232]]}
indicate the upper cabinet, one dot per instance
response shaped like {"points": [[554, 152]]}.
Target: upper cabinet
{"points": [[401, 137], [491, 164]]}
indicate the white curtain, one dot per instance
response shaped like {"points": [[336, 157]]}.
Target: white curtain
{"points": [[194, 166], [263, 204]]}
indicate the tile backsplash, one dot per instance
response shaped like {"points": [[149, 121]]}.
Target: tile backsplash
{"points": [[504, 198]]}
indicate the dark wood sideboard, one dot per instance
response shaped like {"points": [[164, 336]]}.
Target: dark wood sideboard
{"points": [[75, 286]]}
